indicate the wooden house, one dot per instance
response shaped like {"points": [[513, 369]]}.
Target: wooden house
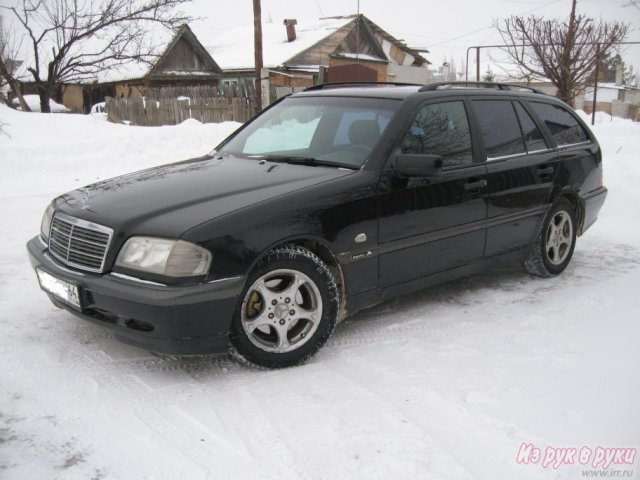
{"points": [[302, 53], [184, 62]]}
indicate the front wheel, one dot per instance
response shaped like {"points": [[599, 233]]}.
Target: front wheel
{"points": [[553, 248], [288, 309]]}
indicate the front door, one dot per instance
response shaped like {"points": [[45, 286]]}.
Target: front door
{"points": [[428, 225]]}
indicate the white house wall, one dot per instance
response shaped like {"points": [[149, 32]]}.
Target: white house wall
{"points": [[407, 74], [605, 94]]}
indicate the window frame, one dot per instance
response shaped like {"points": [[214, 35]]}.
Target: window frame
{"points": [[545, 137]]}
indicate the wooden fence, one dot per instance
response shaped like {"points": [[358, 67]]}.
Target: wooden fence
{"points": [[173, 105], [282, 91]]}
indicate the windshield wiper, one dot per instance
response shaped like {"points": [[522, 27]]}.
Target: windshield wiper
{"points": [[298, 160]]}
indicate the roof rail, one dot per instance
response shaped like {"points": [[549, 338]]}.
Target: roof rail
{"points": [[499, 86], [322, 86]]}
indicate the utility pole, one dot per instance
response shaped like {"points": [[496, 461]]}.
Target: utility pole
{"points": [[257, 46], [594, 104]]}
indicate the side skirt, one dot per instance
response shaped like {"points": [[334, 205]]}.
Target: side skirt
{"points": [[373, 297]]}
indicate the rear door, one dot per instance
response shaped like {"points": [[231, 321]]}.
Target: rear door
{"points": [[428, 225], [577, 152], [521, 168]]}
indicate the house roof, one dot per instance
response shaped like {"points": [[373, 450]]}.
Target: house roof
{"points": [[209, 67], [156, 70], [390, 38], [159, 37], [159, 41], [349, 38], [233, 47], [316, 41]]}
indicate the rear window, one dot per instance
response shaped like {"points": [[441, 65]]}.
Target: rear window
{"points": [[564, 127]]}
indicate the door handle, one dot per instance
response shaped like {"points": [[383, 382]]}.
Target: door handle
{"points": [[474, 186], [542, 171]]}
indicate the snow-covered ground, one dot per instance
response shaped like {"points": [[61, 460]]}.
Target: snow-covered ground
{"points": [[443, 384]]}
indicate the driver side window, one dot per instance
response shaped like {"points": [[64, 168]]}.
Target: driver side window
{"points": [[441, 129]]}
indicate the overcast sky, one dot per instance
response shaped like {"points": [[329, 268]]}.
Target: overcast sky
{"points": [[446, 28]]}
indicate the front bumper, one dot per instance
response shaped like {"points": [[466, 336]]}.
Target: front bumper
{"points": [[178, 320], [593, 202]]}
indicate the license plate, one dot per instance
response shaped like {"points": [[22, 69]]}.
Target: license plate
{"points": [[60, 289]]}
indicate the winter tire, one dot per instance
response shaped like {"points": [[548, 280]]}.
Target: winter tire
{"points": [[553, 247], [287, 310]]}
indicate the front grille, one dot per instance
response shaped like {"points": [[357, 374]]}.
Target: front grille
{"points": [[79, 243]]}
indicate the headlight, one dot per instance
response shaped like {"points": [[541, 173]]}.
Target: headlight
{"points": [[45, 225], [173, 258]]}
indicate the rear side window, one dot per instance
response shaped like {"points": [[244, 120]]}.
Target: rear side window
{"points": [[561, 123], [532, 135], [499, 127], [441, 129]]}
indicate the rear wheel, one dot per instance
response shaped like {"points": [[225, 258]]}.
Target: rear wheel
{"points": [[553, 248], [288, 309]]}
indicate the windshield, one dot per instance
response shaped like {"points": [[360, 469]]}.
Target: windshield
{"points": [[338, 131]]}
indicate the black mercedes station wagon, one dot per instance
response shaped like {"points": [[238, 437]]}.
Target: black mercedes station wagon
{"points": [[329, 201]]}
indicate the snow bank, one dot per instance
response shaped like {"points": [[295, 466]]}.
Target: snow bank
{"points": [[62, 152], [446, 383], [33, 102]]}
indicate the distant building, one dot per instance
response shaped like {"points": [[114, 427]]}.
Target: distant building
{"points": [[297, 54], [183, 62], [301, 53], [618, 100]]}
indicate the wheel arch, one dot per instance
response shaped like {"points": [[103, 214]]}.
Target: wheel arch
{"points": [[578, 207], [323, 250]]}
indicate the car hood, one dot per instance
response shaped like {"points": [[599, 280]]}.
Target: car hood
{"points": [[171, 199]]}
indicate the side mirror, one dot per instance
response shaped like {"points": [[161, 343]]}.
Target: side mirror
{"points": [[417, 165]]}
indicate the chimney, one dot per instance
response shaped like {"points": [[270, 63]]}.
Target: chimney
{"points": [[620, 74], [291, 29]]}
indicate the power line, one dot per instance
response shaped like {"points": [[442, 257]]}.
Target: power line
{"points": [[488, 27], [322, 15]]}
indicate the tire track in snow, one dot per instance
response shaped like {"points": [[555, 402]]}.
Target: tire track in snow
{"points": [[486, 433], [217, 459], [160, 414], [446, 465], [264, 439]]}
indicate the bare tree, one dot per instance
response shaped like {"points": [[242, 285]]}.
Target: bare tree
{"points": [[565, 52], [9, 63], [72, 41]]}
